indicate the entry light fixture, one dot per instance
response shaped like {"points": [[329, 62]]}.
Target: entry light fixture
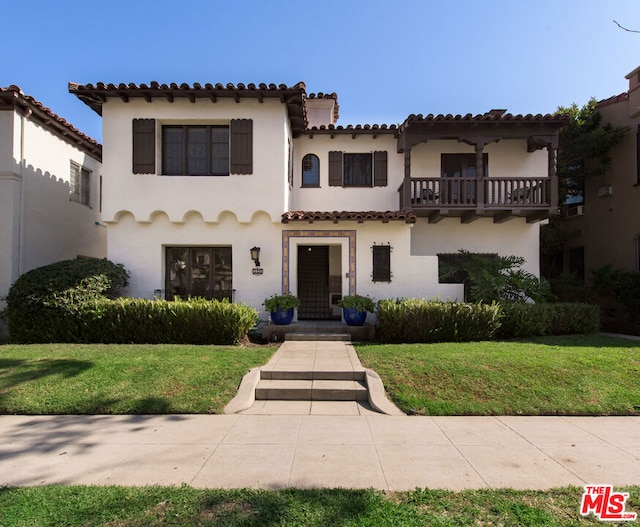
{"points": [[255, 255]]}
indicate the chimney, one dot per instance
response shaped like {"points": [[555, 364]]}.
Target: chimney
{"points": [[322, 109], [634, 92]]}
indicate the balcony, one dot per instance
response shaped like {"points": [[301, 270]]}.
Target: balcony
{"points": [[501, 198]]}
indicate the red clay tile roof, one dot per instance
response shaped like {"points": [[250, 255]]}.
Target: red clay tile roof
{"points": [[293, 96], [12, 98], [489, 117], [407, 216], [612, 100], [372, 129]]}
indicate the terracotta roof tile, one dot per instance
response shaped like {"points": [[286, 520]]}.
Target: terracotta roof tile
{"points": [[12, 98], [335, 216], [293, 96], [613, 100], [489, 117]]}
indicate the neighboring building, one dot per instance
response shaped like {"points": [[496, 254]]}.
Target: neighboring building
{"points": [[198, 175], [49, 189], [604, 222]]}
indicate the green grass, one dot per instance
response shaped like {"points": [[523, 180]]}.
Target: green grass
{"points": [[122, 379], [68, 506], [574, 375]]}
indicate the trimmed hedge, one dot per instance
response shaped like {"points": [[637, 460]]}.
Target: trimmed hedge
{"points": [[413, 320], [528, 320], [142, 321]]}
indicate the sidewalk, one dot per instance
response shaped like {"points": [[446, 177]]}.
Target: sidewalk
{"points": [[275, 451]]}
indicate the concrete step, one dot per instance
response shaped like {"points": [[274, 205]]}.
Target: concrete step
{"points": [[313, 375], [324, 336], [311, 390]]}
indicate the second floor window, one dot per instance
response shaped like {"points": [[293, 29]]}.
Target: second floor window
{"points": [[358, 170], [192, 150], [80, 186], [310, 171]]}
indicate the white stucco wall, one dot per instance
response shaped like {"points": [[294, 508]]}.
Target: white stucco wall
{"points": [[40, 225], [340, 198], [146, 194], [507, 158], [141, 248], [515, 237]]}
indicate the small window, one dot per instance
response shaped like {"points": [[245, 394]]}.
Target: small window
{"points": [[80, 187], [310, 171], [381, 263], [357, 170]]}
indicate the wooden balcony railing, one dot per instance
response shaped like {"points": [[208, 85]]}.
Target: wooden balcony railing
{"points": [[485, 197]]}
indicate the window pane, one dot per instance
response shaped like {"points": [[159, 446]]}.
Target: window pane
{"points": [[223, 269], [357, 170], [220, 150], [177, 272], [74, 186], [85, 187], [310, 171], [173, 151], [197, 150], [200, 272]]}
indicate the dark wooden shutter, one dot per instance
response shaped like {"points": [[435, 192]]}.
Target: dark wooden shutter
{"points": [[144, 146], [381, 263], [335, 169], [241, 139], [380, 169]]}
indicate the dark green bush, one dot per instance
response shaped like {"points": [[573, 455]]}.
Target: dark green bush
{"points": [[413, 320], [528, 320], [141, 321], [38, 298], [627, 289]]}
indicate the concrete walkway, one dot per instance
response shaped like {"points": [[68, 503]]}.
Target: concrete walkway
{"points": [[275, 451]]}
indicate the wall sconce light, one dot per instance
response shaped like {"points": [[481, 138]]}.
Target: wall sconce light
{"points": [[255, 255]]}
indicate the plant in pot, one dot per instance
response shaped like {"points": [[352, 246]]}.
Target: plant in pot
{"points": [[355, 309], [281, 308]]}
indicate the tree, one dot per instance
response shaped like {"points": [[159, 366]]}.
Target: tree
{"points": [[584, 148]]}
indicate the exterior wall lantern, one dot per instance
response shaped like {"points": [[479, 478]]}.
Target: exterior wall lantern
{"points": [[255, 256]]}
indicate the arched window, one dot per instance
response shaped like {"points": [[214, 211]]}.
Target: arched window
{"points": [[310, 171]]}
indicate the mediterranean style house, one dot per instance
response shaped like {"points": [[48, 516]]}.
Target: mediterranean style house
{"points": [[244, 191], [604, 219], [49, 189]]}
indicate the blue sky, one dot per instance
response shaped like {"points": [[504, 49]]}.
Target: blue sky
{"points": [[385, 59]]}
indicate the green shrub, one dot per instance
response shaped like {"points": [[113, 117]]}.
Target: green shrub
{"points": [[627, 289], [40, 298], [142, 321], [528, 320], [413, 320]]}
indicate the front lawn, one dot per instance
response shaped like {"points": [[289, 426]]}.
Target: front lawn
{"points": [[573, 375], [122, 379], [157, 506]]}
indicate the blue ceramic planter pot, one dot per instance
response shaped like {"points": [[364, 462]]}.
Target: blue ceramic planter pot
{"points": [[353, 317], [282, 317]]}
